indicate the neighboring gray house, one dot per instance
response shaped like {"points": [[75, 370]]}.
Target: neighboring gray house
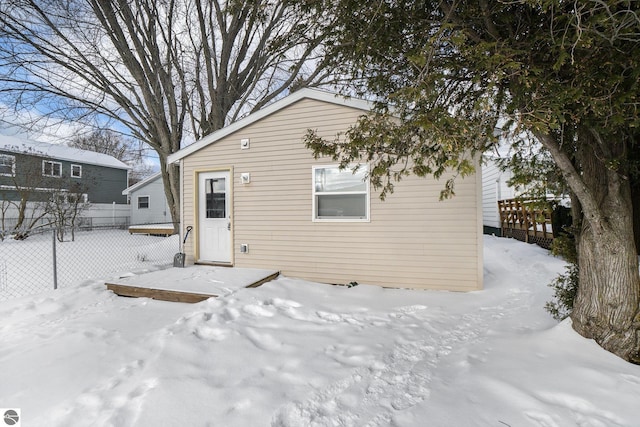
{"points": [[46, 170], [57, 167], [148, 201]]}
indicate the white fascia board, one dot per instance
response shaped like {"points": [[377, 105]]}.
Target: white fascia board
{"points": [[316, 94], [140, 184]]}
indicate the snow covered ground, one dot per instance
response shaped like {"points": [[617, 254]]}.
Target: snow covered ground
{"points": [[26, 267], [296, 353]]}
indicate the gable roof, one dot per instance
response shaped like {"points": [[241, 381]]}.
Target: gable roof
{"points": [[141, 184], [19, 145], [307, 93]]}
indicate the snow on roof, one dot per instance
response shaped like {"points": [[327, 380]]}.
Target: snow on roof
{"points": [[141, 184], [319, 95], [61, 152]]}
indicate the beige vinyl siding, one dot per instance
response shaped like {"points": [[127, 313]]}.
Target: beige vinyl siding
{"points": [[412, 239]]}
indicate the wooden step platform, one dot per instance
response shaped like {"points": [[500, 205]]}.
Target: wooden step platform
{"points": [[191, 284], [153, 229]]}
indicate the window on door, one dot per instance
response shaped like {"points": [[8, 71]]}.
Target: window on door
{"points": [[340, 195], [215, 195]]}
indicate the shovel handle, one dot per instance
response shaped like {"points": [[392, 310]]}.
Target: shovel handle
{"points": [[189, 228]]}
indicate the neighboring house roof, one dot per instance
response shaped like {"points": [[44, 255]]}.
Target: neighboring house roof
{"points": [[141, 184], [56, 151], [306, 93]]}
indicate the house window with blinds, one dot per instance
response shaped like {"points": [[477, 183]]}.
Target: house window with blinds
{"points": [[340, 195], [143, 202]]}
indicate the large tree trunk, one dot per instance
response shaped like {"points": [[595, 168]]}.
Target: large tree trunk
{"points": [[171, 180], [635, 197], [607, 307], [634, 160]]}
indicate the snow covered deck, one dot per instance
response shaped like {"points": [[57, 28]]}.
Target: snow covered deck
{"points": [[152, 229], [191, 284]]}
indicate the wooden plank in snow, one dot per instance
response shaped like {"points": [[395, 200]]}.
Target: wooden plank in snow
{"points": [[144, 289], [157, 294]]}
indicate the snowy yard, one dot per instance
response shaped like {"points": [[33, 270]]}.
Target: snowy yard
{"points": [[295, 353], [26, 267]]}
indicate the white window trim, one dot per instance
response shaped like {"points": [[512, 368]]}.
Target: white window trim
{"points": [[314, 218], [138, 202], [72, 175], [13, 165], [52, 168]]}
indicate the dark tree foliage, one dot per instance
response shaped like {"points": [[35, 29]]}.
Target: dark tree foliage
{"points": [[564, 74]]}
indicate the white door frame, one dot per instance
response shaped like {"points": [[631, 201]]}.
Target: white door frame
{"points": [[214, 235]]}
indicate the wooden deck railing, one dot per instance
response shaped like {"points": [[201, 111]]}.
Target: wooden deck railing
{"points": [[526, 221]]}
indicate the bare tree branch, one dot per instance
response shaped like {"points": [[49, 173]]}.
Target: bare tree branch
{"points": [[166, 72]]}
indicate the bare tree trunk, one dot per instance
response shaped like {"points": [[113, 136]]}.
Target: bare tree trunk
{"points": [[24, 225], [22, 207], [156, 68], [171, 180]]}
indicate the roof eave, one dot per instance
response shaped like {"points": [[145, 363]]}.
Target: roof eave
{"points": [[124, 166], [140, 184]]}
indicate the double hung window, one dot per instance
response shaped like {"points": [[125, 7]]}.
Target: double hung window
{"points": [[76, 171], [50, 168], [143, 202], [7, 164]]}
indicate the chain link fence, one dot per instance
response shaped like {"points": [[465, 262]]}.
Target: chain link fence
{"points": [[55, 258]]}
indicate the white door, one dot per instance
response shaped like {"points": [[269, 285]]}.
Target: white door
{"points": [[214, 236]]}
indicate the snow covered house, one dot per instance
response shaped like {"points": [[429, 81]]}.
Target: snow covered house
{"points": [[148, 201], [51, 169], [256, 197]]}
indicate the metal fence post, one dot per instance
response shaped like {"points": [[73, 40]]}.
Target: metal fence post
{"points": [[55, 262], [34, 265]]}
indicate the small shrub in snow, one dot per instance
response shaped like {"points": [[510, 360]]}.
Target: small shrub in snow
{"points": [[565, 286], [565, 246], [142, 257], [565, 289]]}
